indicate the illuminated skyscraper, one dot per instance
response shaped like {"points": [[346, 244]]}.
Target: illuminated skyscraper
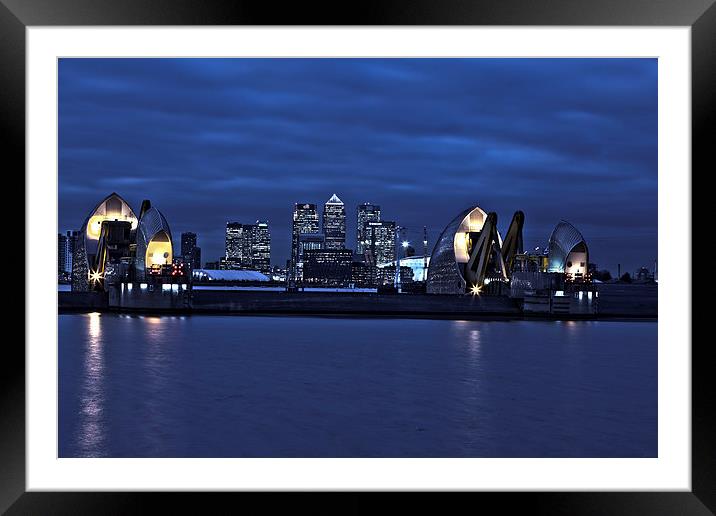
{"points": [[305, 221], [366, 213], [334, 223], [307, 242], [191, 254], [72, 237], [380, 242], [61, 253], [237, 245], [248, 246], [260, 247]]}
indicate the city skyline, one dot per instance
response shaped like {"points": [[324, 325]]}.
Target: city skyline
{"points": [[559, 139]]}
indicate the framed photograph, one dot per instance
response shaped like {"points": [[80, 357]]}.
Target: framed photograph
{"points": [[425, 249]]}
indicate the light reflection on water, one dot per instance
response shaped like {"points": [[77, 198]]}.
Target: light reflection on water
{"points": [[150, 386], [92, 394], [155, 366]]}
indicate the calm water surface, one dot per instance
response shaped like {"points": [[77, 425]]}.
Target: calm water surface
{"points": [[213, 386]]}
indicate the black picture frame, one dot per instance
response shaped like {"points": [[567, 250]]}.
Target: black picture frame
{"points": [[700, 15]]}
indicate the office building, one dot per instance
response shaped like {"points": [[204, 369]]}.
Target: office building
{"points": [[363, 275], [307, 242], [61, 253], [260, 247], [72, 237], [327, 267], [305, 221], [334, 223], [365, 213], [190, 252], [238, 246], [248, 246], [379, 242], [386, 275]]}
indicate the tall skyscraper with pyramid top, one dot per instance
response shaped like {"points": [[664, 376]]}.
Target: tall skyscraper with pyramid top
{"points": [[334, 223]]}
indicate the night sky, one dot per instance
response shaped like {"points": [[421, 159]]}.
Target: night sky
{"points": [[217, 140]]}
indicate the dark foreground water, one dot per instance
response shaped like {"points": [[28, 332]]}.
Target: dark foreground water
{"points": [[211, 386]]}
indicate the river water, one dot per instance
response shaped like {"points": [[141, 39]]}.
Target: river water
{"points": [[240, 386]]}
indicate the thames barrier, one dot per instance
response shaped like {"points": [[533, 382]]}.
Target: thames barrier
{"points": [[125, 262]]}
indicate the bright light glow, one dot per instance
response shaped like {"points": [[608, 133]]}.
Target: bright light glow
{"points": [[143, 286], [476, 290], [95, 276], [94, 226], [158, 258], [461, 243], [487, 281], [94, 327], [129, 287], [405, 244], [159, 250], [559, 293]]}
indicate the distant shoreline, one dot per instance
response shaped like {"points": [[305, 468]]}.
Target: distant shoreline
{"points": [[485, 316], [613, 304]]}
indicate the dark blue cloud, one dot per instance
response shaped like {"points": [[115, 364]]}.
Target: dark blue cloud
{"points": [[212, 140]]}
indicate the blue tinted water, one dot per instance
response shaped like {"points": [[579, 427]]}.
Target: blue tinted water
{"points": [[213, 386]]}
